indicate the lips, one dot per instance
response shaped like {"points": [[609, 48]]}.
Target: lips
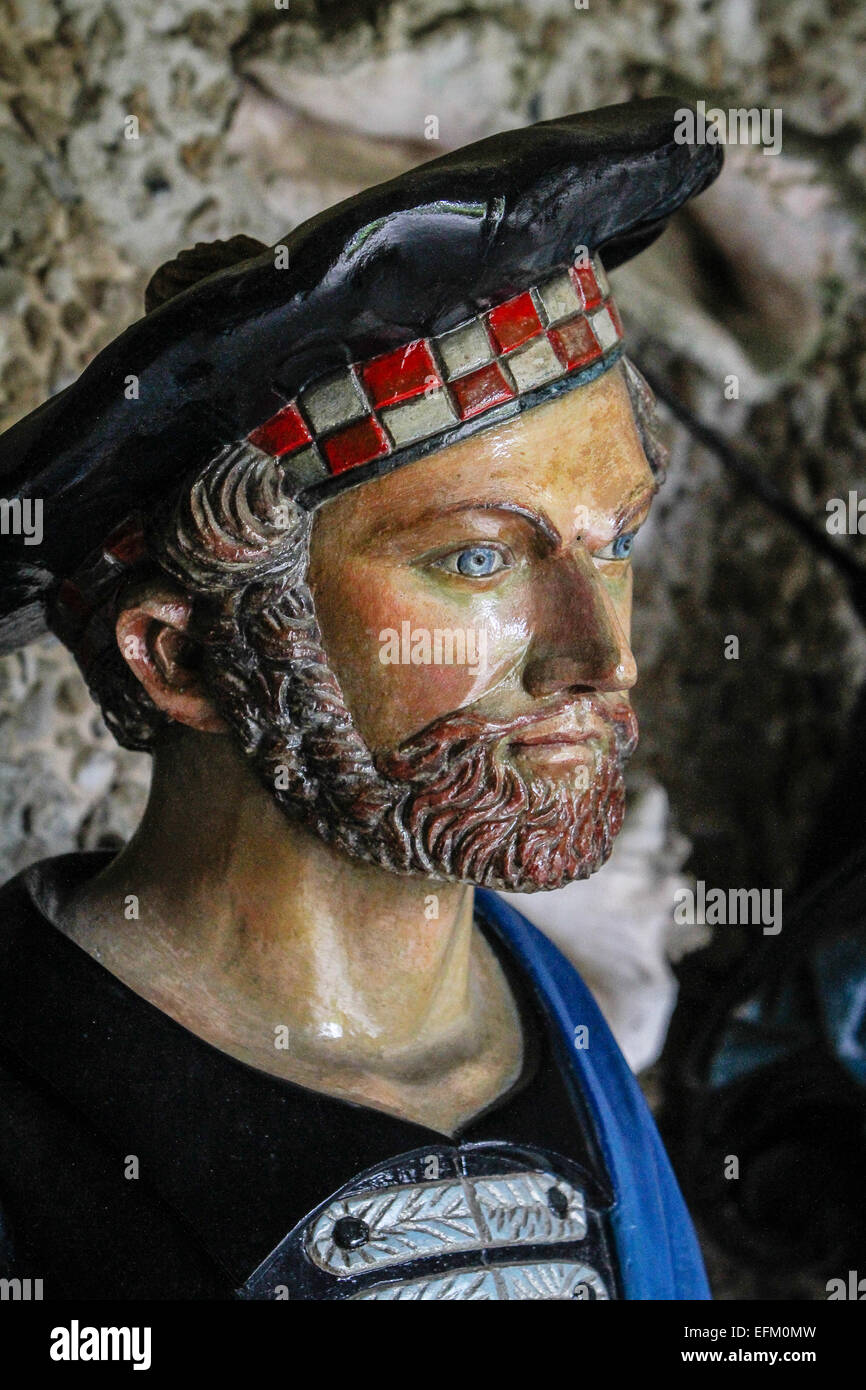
{"points": [[553, 740], [589, 720], [572, 726]]}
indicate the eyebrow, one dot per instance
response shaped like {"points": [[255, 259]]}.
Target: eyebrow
{"points": [[539, 520], [633, 509], [542, 522]]}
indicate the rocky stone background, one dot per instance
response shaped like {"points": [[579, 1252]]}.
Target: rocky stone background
{"points": [[254, 114]]}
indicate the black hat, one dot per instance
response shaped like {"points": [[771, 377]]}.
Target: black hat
{"points": [[391, 325]]}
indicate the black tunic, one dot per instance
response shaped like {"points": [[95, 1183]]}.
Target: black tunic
{"points": [[231, 1159]]}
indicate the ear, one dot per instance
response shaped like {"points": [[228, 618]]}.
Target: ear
{"points": [[151, 634]]}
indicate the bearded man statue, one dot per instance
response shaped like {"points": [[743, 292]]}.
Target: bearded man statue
{"points": [[339, 532]]}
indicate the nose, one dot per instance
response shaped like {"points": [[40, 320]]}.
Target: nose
{"points": [[580, 642]]}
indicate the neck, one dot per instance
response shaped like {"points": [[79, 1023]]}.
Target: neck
{"points": [[248, 922]]}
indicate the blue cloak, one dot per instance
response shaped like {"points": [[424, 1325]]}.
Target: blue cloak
{"points": [[656, 1243]]}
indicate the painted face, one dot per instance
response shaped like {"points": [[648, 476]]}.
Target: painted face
{"points": [[494, 576], [441, 682]]}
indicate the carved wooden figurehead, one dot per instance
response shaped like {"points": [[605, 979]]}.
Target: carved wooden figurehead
{"points": [[340, 532]]}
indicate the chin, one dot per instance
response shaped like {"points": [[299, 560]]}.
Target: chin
{"points": [[543, 880], [535, 857]]}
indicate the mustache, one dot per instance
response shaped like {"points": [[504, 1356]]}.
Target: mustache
{"points": [[458, 733]]}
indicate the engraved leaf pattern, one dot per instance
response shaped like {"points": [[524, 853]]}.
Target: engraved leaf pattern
{"points": [[501, 1283], [548, 1281], [473, 1285], [515, 1208], [404, 1222], [432, 1218]]}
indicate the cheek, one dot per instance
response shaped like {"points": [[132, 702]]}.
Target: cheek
{"points": [[389, 640]]}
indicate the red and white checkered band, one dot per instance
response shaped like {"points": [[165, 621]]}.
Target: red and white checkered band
{"points": [[401, 401]]}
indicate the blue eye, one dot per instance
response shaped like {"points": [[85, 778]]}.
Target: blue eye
{"points": [[620, 549], [475, 562], [481, 560]]}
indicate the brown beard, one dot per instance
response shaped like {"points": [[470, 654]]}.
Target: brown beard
{"points": [[449, 804], [466, 812]]}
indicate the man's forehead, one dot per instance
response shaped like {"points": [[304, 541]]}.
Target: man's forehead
{"points": [[576, 462]]}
